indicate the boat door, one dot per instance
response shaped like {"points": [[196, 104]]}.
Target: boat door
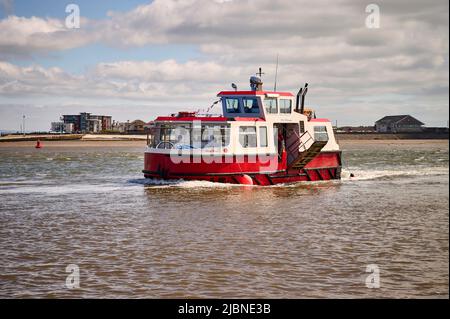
{"points": [[292, 141], [279, 136]]}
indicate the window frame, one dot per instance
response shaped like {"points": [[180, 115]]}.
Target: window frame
{"points": [[266, 139], [269, 111], [243, 132], [239, 105], [301, 127], [321, 130], [250, 98], [282, 109]]}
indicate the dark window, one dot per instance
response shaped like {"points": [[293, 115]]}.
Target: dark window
{"points": [[232, 105], [250, 105], [285, 106], [302, 127]]}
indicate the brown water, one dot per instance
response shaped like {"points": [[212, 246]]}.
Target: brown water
{"points": [[146, 239]]}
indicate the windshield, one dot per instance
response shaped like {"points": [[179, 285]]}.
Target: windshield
{"points": [[184, 136]]}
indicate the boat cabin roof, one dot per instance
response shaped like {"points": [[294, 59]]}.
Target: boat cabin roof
{"points": [[254, 93], [177, 118], [255, 105]]}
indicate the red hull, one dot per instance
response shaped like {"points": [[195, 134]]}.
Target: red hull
{"points": [[325, 166]]}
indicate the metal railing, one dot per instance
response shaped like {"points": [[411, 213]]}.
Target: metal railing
{"points": [[303, 144], [299, 144]]}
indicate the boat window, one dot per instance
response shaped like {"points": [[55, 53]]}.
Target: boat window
{"points": [[214, 136], [250, 105], [302, 126], [263, 136], [320, 133], [171, 135], [285, 106], [183, 136], [271, 105], [232, 105], [247, 136]]}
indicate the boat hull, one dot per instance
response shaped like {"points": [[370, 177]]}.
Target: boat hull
{"points": [[243, 170]]}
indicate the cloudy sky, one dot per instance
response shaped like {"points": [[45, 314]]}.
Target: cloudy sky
{"points": [[138, 59]]}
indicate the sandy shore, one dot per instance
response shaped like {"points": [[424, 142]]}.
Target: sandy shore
{"points": [[75, 143], [141, 143]]}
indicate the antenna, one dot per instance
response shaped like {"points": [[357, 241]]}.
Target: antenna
{"points": [[260, 73], [276, 74]]}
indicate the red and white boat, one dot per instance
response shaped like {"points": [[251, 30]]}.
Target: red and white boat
{"points": [[261, 138]]}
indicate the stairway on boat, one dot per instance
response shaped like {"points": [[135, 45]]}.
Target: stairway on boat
{"points": [[299, 159]]}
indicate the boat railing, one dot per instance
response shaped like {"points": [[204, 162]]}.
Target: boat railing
{"points": [[301, 143], [305, 140]]}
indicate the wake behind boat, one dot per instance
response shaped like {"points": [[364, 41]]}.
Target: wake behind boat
{"points": [[259, 139]]}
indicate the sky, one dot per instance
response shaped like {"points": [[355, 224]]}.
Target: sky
{"points": [[139, 59]]}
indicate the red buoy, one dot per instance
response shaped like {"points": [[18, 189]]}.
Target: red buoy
{"points": [[38, 144]]}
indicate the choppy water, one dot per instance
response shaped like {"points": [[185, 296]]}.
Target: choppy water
{"points": [[145, 239]]}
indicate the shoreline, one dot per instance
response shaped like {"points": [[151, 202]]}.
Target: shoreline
{"points": [[142, 143], [391, 136], [72, 137], [75, 143], [125, 138]]}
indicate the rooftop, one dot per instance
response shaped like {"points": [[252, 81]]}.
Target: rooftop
{"points": [[399, 118]]}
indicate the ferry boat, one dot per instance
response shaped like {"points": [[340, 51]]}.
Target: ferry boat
{"points": [[260, 138]]}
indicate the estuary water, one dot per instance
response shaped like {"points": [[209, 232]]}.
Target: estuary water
{"points": [[74, 208]]}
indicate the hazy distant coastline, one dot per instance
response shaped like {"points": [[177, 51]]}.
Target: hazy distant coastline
{"points": [[119, 137]]}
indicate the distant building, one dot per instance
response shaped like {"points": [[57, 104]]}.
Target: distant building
{"points": [[57, 127], [61, 127], [134, 127], [398, 124], [69, 128], [87, 123]]}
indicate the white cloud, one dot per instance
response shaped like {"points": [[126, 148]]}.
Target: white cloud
{"points": [[126, 79], [325, 44], [22, 37]]}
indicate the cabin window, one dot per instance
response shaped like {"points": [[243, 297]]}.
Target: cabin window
{"points": [[271, 105], [247, 136], [183, 136], [232, 105], [285, 106], [166, 136], [215, 136], [320, 133], [263, 136], [250, 105], [302, 127]]}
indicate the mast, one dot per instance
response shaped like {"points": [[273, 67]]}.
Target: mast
{"points": [[276, 74]]}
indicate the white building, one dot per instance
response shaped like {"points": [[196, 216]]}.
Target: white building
{"points": [[57, 127]]}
